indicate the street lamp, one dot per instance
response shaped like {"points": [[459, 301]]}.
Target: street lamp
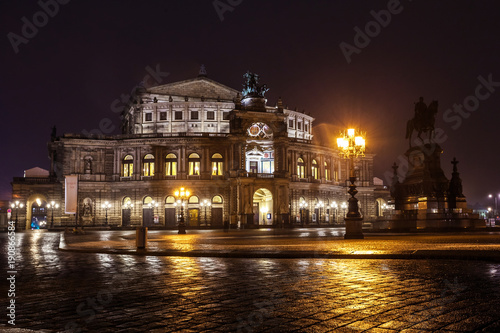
{"points": [[351, 146], [205, 204], [335, 206], [181, 195], [344, 207], [302, 206], [16, 206], [495, 200], [106, 205], [51, 206], [153, 204]]}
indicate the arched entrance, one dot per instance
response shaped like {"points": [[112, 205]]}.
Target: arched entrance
{"points": [[38, 212], [263, 207]]}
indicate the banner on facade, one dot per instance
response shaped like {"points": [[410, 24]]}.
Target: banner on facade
{"points": [[70, 194]]}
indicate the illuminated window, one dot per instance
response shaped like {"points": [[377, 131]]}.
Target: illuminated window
{"points": [[217, 165], [148, 165], [301, 170], [327, 171], [194, 164], [314, 170], [217, 199], [128, 166], [171, 165]]}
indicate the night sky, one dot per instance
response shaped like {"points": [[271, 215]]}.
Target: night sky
{"points": [[81, 60]]}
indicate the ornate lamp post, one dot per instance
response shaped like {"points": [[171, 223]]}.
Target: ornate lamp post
{"points": [[302, 206], [51, 206], [106, 205], [205, 204], [16, 206], [334, 206], [153, 204], [319, 206], [181, 195], [351, 146]]}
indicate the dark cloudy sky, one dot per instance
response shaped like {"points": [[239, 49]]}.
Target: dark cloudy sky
{"points": [[70, 71]]}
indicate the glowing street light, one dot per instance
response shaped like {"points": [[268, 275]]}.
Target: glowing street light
{"points": [[16, 206], [106, 205], [181, 195], [351, 146], [205, 204], [302, 206], [51, 206]]}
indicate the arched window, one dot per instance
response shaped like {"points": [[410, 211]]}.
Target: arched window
{"points": [[327, 171], [301, 168], [193, 199], [128, 166], [217, 165], [147, 200], [170, 200], [171, 165], [149, 165], [217, 199], [127, 202], [194, 164], [314, 170]]}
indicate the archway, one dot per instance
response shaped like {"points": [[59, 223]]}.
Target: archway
{"points": [[263, 207], [36, 217]]}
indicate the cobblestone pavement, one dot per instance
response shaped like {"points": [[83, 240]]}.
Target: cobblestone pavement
{"points": [[123, 293], [294, 243]]}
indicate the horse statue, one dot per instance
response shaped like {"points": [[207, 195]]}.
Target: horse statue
{"points": [[423, 121]]}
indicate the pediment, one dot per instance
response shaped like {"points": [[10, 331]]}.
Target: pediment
{"points": [[198, 87]]}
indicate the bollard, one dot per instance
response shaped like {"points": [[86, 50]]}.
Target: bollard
{"points": [[141, 235]]}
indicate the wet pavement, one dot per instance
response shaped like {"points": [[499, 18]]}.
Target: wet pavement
{"points": [[99, 292], [294, 243]]}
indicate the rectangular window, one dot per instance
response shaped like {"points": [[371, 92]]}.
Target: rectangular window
{"points": [[171, 168], [290, 123], [194, 115], [267, 166], [128, 169], [253, 167], [216, 168], [225, 115], [306, 127], [149, 116], [210, 115], [299, 126], [178, 115], [327, 174], [301, 171], [163, 115], [194, 168]]}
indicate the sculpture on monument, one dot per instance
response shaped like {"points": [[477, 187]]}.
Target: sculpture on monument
{"points": [[423, 121], [251, 86]]}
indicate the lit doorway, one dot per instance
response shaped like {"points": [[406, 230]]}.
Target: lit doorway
{"points": [[263, 206]]}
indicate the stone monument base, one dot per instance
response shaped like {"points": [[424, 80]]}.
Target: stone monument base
{"points": [[429, 221]]}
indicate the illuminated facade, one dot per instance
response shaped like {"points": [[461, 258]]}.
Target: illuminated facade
{"points": [[255, 164]]}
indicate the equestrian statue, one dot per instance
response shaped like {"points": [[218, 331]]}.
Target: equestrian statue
{"points": [[423, 121]]}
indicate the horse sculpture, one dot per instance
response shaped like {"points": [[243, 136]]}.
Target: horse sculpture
{"points": [[423, 121]]}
